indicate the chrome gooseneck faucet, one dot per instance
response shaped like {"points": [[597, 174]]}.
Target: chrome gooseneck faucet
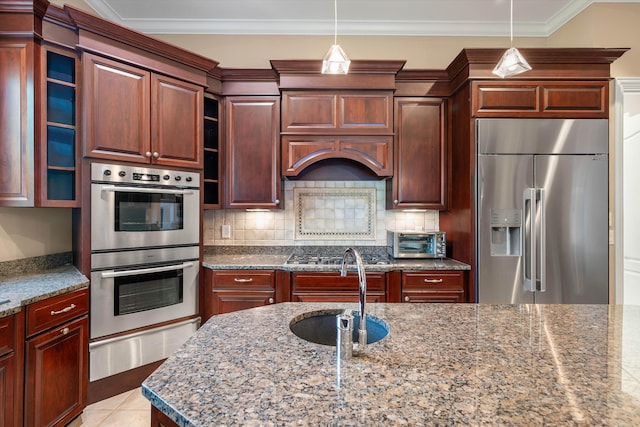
{"points": [[362, 288]]}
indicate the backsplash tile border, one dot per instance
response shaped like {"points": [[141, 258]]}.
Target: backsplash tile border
{"points": [[335, 213]]}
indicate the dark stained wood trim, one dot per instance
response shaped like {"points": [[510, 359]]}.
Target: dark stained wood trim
{"points": [[313, 66], [59, 16], [129, 37]]}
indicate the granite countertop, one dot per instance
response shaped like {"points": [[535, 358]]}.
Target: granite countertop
{"points": [[267, 259], [27, 281], [441, 364]]}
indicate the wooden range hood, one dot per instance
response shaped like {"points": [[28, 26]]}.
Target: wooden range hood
{"points": [[337, 126]]}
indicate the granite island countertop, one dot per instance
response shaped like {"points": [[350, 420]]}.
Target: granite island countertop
{"points": [[445, 364], [24, 282]]}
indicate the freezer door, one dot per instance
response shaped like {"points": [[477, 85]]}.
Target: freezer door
{"points": [[500, 224], [576, 213]]}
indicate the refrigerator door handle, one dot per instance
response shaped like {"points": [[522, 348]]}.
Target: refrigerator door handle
{"points": [[543, 244], [529, 261]]}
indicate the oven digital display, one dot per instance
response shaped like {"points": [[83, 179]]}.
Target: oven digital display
{"points": [[147, 177]]}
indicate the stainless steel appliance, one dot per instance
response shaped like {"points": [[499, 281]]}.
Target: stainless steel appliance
{"points": [[416, 244], [136, 207], [144, 265], [542, 211]]}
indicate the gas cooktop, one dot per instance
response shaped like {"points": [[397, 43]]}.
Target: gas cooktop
{"points": [[328, 259]]}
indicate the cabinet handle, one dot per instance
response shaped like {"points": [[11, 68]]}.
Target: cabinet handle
{"points": [[64, 310], [433, 280], [64, 331], [243, 280], [148, 154], [407, 299], [270, 300], [155, 154]]}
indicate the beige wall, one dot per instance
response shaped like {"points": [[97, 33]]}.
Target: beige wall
{"points": [[33, 232], [27, 232]]}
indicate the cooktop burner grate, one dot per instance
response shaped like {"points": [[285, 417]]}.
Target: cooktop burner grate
{"points": [[311, 259]]}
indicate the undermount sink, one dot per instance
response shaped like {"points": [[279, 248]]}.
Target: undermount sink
{"points": [[320, 327]]}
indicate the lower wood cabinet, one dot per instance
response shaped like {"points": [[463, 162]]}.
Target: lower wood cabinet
{"points": [[331, 287], [56, 359], [433, 286], [10, 389], [233, 290]]}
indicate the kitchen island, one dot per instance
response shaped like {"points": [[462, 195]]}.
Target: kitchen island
{"points": [[447, 364]]}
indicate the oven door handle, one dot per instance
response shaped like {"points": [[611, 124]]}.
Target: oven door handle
{"points": [[112, 274], [114, 188]]}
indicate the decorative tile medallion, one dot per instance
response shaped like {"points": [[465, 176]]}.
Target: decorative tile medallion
{"points": [[335, 213]]}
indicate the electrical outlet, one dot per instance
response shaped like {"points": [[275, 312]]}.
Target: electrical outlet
{"points": [[226, 231]]}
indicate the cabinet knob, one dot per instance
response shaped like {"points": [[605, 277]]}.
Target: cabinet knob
{"points": [[64, 331], [148, 154], [270, 300], [155, 154], [395, 202], [407, 299], [277, 201]]}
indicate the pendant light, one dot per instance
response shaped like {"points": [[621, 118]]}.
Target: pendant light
{"points": [[512, 62], [335, 61]]}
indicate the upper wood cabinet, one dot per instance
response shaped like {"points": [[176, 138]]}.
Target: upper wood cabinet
{"points": [[566, 99], [420, 175], [252, 152], [135, 115], [331, 112]]}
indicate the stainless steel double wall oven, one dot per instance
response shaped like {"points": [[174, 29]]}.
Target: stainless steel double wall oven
{"points": [[145, 229]]}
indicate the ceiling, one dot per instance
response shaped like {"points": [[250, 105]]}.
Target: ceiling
{"points": [[490, 18]]}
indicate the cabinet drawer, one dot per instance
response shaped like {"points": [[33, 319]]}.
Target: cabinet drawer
{"points": [[54, 311], [7, 335], [440, 281], [332, 281], [244, 279]]}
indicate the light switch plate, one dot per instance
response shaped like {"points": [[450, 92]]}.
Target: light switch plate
{"points": [[226, 231]]}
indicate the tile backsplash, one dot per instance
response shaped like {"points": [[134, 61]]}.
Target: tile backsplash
{"points": [[317, 213]]}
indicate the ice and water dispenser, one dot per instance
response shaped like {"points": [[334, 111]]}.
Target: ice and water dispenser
{"points": [[506, 232]]}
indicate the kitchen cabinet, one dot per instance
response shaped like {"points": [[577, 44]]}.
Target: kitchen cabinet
{"points": [[586, 99], [420, 172], [331, 287], [213, 165], [252, 152], [56, 359], [337, 112], [433, 286], [10, 381], [160, 122], [233, 290], [38, 97]]}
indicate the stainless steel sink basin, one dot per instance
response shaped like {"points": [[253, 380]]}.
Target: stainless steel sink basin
{"points": [[320, 327]]}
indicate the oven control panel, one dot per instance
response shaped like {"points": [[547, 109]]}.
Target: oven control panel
{"points": [[124, 174]]}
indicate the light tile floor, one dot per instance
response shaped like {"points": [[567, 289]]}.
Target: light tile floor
{"points": [[127, 409]]}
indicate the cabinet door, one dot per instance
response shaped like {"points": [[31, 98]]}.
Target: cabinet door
{"points": [[7, 387], [176, 122], [116, 110], [253, 155], [420, 155], [16, 114], [56, 374]]}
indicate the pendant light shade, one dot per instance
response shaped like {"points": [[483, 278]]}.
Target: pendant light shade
{"points": [[512, 62], [335, 61]]}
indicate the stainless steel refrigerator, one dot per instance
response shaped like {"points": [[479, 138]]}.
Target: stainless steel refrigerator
{"points": [[542, 210]]}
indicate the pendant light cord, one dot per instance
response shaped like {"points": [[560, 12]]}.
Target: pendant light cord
{"points": [[511, 23]]}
